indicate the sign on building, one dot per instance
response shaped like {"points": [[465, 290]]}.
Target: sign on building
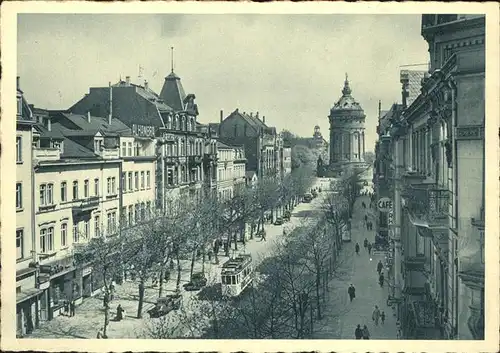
{"points": [[384, 204], [143, 130]]}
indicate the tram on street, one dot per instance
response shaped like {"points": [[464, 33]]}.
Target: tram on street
{"points": [[236, 275]]}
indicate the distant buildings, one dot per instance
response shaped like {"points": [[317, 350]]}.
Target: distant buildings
{"points": [[230, 170], [430, 163]]}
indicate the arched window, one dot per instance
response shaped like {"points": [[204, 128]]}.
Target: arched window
{"points": [[169, 122], [177, 122]]}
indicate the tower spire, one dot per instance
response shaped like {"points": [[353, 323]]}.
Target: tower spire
{"points": [[172, 58], [347, 90]]}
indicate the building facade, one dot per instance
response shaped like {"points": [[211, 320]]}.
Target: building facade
{"points": [[230, 170], [347, 131], [437, 161], [263, 146]]}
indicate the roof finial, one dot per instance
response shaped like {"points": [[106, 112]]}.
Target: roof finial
{"points": [[347, 90], [172, 57]]}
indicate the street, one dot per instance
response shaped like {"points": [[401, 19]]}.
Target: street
{"points": [[361, 272], [90, 314]]}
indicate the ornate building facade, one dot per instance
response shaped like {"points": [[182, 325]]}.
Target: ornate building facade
{"points": [[433, 151], [347, 131]]}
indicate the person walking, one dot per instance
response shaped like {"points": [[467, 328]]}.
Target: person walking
{"points": [[66, 307], [376, 315], [366, 218], [381, 280], [380, 266], [72, 308], [119, 312], [352, 292], [365, 243], [357, 248], [382, 317], [366, 333], [358, 333], [369, 248], [363, 204]]}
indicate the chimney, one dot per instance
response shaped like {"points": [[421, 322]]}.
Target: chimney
{"points": [[88, 117], [251, 114], [257, 115], [379, 108], [264, 119], [237, 110], [111, 103], [127, 80], [18, 79], [146, 84], [221, 115], [49, 126]]}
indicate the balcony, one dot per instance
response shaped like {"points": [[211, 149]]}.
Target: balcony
{"points": [[108, 153], [86, 205], [415, 263], [195, 160], [427, 206], [46, 154], [171, 160]]}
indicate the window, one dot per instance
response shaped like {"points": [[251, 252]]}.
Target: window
{"points": [[130, 215], [97, 226], [170, 177], [19, 244], [136, 213], [46, 194], [169, 149], [19, 149], [136, 175], [75, 190], [142, 180], [19, 196], [76, 233], [137, 149], [130, 188], [64, 191], [124, 149], [130, 149], [86, 229], [111, 222], [113, 185], [96, 187], [124, 181], [148, 179], [64, 234], [86, 189], [47, 240]]}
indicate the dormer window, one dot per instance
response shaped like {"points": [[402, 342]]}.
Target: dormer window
{"points": [[19, 106]]}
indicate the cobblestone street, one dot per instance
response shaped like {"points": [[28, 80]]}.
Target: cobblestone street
{"points": [[341, 316]]}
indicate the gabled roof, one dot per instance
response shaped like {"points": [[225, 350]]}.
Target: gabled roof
{"points": [[52, 134], [74, 150], [172, 92], [96, 124]]}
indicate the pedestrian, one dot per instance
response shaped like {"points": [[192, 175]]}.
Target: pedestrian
{"points": [[66, 307], [363, 204], [369, 248], [365, 243], [382, 317], [366, 218], [105, 300], [352, 292], [119, 312], [380, 266], [209, 255], [263, 236], [376, 315], [366, 333], [358, 333], [99, 334], [357, 248], [381, 280], [72, 308]]}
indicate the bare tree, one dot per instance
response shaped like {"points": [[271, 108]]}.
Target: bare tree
{"points": [[336, 212]]}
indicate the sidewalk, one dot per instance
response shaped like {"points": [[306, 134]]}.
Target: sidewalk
{"points": [[90, 314], [361, 272]]}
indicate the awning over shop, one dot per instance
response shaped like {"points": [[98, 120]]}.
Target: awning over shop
{"points": [[27, 294]]}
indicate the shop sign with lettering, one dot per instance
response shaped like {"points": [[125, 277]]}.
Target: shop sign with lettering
{"points": [[384, 204], [169, 137], [143, 130]]}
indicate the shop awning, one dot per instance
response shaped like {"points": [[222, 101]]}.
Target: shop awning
{"points": [[27, 294]]}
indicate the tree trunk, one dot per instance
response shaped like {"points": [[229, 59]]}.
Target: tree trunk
{"points": [[235, 239], [193, 259], [162, 275], [106, 321], [318, 296], [141, 299], [178, 283], [203, 261]]}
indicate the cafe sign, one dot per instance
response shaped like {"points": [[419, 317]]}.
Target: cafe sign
{"points": [[143, 130], [384, 204]]}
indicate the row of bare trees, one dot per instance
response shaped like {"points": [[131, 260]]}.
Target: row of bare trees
{"points": [[186, 229]]}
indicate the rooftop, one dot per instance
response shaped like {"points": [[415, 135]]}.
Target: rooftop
{"points": [[347, 101]]}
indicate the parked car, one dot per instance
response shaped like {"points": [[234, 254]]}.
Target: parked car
{"points": [[308, 198], [314, 193], [164, 305], [198, 281], [287, 215], [278, 221]]}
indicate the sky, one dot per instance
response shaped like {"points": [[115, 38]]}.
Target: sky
{"points": [[289, 68]]}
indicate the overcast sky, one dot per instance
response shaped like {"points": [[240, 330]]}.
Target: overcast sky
{"points": [[290, 68]]}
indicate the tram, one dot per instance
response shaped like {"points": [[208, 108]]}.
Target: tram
{"points": [[236, 275]]}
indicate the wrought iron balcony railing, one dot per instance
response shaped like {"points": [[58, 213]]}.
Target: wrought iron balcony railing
{"points": [[427, 204]]}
